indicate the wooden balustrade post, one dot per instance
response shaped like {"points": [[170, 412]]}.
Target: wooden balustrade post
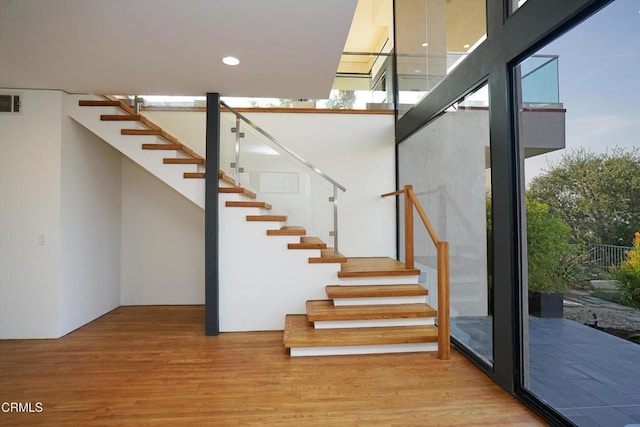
{"points": [[444, 341], [408, 228]]}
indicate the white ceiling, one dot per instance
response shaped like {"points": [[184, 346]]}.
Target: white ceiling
{"points": [[287, 48]]}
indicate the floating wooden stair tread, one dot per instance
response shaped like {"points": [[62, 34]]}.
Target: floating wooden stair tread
{"points": [[234, 204], [375, 291], [308, 243], [226, 178], [120, 117], [182, 161], [194, 175], [328, 256], [275, 218], [175, 147], [288, 230], [321, 310], [94, 103], [140, 132], [237, 190], [298, 332], [375, 267]]}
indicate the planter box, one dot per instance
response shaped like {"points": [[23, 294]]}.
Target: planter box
{"points": [[548, 305]]}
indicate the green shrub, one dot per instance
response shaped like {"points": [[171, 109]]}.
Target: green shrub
{"points": [[628, 275], [550, 256]]}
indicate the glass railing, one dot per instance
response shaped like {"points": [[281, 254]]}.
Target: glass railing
{"points": [[540, 81], [293, 186]]}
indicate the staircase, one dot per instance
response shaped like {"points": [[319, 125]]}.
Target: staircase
{"points": [[370, 305]]}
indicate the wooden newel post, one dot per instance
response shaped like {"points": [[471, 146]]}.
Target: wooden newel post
{"points": [[444, 341], [408, 228]]}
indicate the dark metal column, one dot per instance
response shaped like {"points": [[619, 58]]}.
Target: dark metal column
{"points": [[211, 278]]}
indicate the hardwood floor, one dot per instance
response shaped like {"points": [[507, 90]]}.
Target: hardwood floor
{"points": [[152, 365]]}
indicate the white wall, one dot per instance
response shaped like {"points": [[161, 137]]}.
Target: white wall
{"points": [[29, 208], [357, 150], [90, 218], [162, 242], [189, 127]]}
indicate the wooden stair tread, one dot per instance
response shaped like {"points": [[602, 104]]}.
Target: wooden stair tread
{"points": [[182, 161], [140, 132], [237, 190], [288, 230], [194, 175], [374, 291], [308, 243], [175, 147], [95, 103], [275, 218], [318, 310], [375, 267], [298, 332], [327, 256], [120, 117], [226, 178], [234, 204]]}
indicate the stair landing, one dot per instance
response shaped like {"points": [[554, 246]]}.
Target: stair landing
{"points": [[375, 267]]}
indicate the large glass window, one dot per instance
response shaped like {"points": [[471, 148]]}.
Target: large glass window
{"points": [[448, 164], [432, 38], [579, 140]]}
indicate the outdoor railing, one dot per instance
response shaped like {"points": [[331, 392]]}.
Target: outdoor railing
{"points": [[603, 257], [258, 161], [443, 271]]}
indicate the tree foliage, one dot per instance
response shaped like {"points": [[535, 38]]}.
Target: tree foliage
{"points": [[598, 195], [343, 100]]}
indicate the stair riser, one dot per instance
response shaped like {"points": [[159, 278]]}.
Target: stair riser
{"points": [[379, 300], [398, 280], [376, 323], [363, 349]]}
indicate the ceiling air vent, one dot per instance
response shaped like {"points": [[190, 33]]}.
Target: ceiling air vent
{"points": [[10, 103]]}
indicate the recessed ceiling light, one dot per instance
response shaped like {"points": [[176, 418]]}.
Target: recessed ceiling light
{"points": [[230, 60], [416, 71], [466, 46], [425, 44]]}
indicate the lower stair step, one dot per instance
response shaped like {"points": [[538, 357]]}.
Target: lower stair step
{"points": [[376, 294], [375, 267], [325, 310], [302, 339]]}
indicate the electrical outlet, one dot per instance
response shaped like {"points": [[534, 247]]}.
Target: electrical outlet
{"points": [[42, 239]]}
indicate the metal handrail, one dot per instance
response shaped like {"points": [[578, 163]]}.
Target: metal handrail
{"points": [[271, 138]]}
